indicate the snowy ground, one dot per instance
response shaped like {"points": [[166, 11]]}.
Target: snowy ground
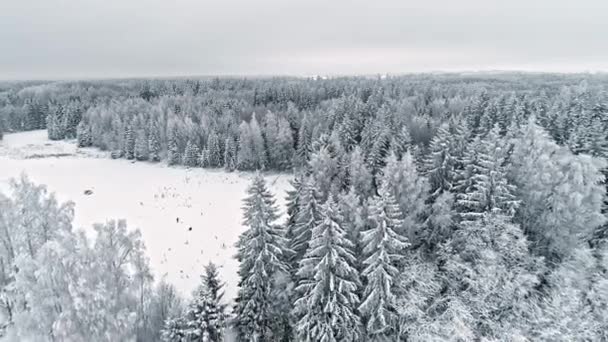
{"points": [[187, 217]]}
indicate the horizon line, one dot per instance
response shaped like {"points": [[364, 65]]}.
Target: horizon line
{"points": [[306, 75]]}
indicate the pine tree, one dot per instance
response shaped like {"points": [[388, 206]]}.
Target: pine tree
{"points": [[561, 193], [489, 276], [261, 253], [565, 311], [384, 247], [327, 307], [191, 154]]}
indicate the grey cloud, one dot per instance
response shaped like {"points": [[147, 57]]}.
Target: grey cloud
{"points": [[112, 38]]}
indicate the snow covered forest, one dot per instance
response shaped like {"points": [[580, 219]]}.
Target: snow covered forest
{"points": [[431, 207]]}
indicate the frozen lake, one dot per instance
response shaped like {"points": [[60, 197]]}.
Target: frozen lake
{"points": [[187, 217]]}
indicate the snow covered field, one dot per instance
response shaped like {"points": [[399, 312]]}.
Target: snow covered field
{"points": [[187, 217]]}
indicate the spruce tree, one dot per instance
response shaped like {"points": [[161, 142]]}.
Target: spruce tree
{"points": [[487, 189], [230, 154], [379, 150], [129, 142], [72, 118], [271, 133], [459, 139], [173, 153], [292, 200], [43, 111], [215, 156], [215, 286], [154, 147], [203, 159], [83, 135], [307, 218], [175, 330], [260, 161], [470, 160], [191, 154], [348, 130], [304, 147], [401, 141], [410, 190], [384, 248], [355, 212], [205, 319], [141, 145], [245, 155], [35, 115], [328, 285], [283, 150], [261, 254], [360, 176], [440, 164], [54, 123]]}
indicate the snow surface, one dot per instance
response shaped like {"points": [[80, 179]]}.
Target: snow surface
{"points": [[163, 202]]}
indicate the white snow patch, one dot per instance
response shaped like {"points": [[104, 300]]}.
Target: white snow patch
{"points": [[35, 145], [163, 202]]}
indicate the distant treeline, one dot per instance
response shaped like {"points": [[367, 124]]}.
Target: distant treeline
{"points": [[272, 123]]}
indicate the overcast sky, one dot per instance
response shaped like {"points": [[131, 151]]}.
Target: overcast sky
{"points": [[123, 38]]}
